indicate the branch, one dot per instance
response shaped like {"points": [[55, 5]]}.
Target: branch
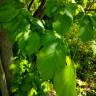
{"points": [[30, 4], [1, 1], [39, 13], [90, 9], [90, 5]]}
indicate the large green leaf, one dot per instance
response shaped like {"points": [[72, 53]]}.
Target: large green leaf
{"points": [[51, 7], [71, 7], [87, 31], [18, 26], [49, 59], [48, 38], [8, 10], [65, 80], [33, 43], [29, 43], [93, 20], [63, 23]]}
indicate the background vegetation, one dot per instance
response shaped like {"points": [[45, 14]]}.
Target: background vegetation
{"points": [[47, 47]]}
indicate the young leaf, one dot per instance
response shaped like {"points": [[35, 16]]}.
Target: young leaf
{"points": [[65, 80]]}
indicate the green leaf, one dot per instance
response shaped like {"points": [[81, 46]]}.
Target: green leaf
{"points": [[33, 43], [63, 23], [71, 7], [87, 31], [36, 25], [84, 20], [51, 7], [93, 20], [65, 80], [8, 11], [49, 59], [48, 38], [29, 43]]}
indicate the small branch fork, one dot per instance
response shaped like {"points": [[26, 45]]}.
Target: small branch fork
{"points": [[88, 7], [39, 13]]}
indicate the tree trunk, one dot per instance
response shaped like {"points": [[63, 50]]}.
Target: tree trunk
{"points": [[6, 56], [3, 84]]}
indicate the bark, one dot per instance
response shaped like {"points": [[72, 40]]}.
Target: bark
{"points": [[90, 10], [6, 56], [40, 11], [3, 84], [30, 4], [1, 1]]}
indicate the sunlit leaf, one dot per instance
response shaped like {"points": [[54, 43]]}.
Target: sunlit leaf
{"points": [[48, 60], [32, 92], [65, 80]]}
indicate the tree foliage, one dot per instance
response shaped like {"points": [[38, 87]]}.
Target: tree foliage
{"points": [[41, 29]]}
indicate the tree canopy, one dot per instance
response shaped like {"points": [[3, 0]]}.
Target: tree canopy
{"points": [[45, 45]]}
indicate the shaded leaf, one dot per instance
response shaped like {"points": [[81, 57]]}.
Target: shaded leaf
{"points": [[30, 43], [63, 23]]}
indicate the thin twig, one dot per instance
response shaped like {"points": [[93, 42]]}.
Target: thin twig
{"points": [[40, 11], [30, 5]]}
